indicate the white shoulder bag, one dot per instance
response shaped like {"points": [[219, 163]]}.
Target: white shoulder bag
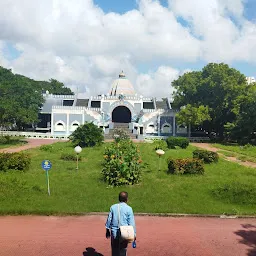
{"points": [[126, 232]]}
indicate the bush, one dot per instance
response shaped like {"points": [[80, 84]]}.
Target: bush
{"points": [[120, 134], [14, 161], [160, 144], [185, 166], [70, 157], [181, 142], [122, 164], [205, 155], [47, 148], [87, 135]]}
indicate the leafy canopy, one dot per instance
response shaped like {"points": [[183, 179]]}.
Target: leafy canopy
{"points": [[87, 135]]}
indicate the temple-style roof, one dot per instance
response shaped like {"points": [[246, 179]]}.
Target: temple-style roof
{"points": [[122, 86]]}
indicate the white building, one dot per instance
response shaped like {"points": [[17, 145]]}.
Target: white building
{"points": [[119, 107], [250, 79]]}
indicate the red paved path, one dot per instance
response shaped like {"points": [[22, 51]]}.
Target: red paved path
{"points": [[68, 236], [32, 143]]}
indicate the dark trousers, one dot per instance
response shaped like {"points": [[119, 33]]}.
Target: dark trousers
{"points": [[119, 248]]}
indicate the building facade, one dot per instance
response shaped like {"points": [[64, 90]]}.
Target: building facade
{"points": [[120, 107]]}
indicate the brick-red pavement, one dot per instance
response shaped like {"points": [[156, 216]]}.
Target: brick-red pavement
{"points": [[32, 143], [68, 236]]}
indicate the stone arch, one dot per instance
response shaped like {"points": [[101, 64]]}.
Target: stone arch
{"points": [[121, 114], [74, 125], [166, 128], [59, 126]]}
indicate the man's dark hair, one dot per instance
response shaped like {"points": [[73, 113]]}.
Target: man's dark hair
{"points": [[123, 196]]}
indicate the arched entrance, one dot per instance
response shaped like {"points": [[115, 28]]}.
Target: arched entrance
{"points": [[121, 114]]}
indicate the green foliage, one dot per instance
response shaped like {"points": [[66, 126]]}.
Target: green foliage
{"points": [[185, 166], [181, 142], [87, 135], [160, 144], [120, 134], [14, 161], [122, 164], [47, 148], [206, 156], [236, 192], [193, 115], [21, 98], [218, 87], [70, 157], [243, 128]]}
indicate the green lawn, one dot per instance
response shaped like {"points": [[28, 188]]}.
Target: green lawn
{"points": [[244, 153], [225, 188], [14, 142]]}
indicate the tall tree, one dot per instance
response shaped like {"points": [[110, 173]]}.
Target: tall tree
{"points": [[216, 86]]}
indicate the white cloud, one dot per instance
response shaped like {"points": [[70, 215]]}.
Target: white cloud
{"points": [[157, 84], [80, 45]]}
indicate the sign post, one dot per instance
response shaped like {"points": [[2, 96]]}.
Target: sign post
{"points": [[46, 165]]}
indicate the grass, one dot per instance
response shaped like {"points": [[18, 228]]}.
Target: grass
{"points": [[220, 191], [243, 153], [243, 150], [12, 142]]}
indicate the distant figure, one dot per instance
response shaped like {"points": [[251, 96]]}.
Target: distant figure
{"points": [[119, 246]]}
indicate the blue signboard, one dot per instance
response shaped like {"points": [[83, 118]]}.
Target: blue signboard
{"points": [[46, 165]]}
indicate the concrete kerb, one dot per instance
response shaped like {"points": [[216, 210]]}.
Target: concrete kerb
{"points": [[171, 215]]}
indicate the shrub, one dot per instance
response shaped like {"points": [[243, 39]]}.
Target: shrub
{"points": [[205, 155], [182, 142], [87, 135], [70, 157], [48, 148], [160, 144], [122, 164], [120, 134], [185, 166], [14, 161]]}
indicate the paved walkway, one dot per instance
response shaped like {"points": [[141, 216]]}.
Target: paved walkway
{"points": [[32, 143], [165, 236], [208, 146]]}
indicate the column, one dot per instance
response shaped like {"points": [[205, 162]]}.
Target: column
{"points": [[174, 126], [67, 125], [52, 124]]}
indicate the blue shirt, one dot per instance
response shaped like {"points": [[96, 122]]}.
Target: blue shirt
{"points": [[126, 218]]}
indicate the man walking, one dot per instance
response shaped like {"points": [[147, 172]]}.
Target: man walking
{"points": [[120, 215]]}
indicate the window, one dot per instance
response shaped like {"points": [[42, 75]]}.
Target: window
{"points": [[59, 126], [166, 128], [95, 104], [68, 102], [74, 126]]}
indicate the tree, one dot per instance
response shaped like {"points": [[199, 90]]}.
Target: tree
{"points": [[190, 115], [243, 129], [21, 98], [216, 86], [87, 135]]}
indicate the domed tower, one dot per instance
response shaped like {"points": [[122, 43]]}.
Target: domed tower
{"points": [[122, 86]]}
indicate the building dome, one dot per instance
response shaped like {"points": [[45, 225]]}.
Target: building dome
{"points": [[122, 86]]}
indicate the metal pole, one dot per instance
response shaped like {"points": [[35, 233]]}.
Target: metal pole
{"points": [[159, 164], [48, 183], [77, 161]]}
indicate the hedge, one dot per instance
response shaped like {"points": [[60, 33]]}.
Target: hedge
{"points": [[185, 166], [205, 155], [14, 161], [173, 142]]}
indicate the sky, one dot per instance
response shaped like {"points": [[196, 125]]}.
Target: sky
{"points": [[86, 43]]}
